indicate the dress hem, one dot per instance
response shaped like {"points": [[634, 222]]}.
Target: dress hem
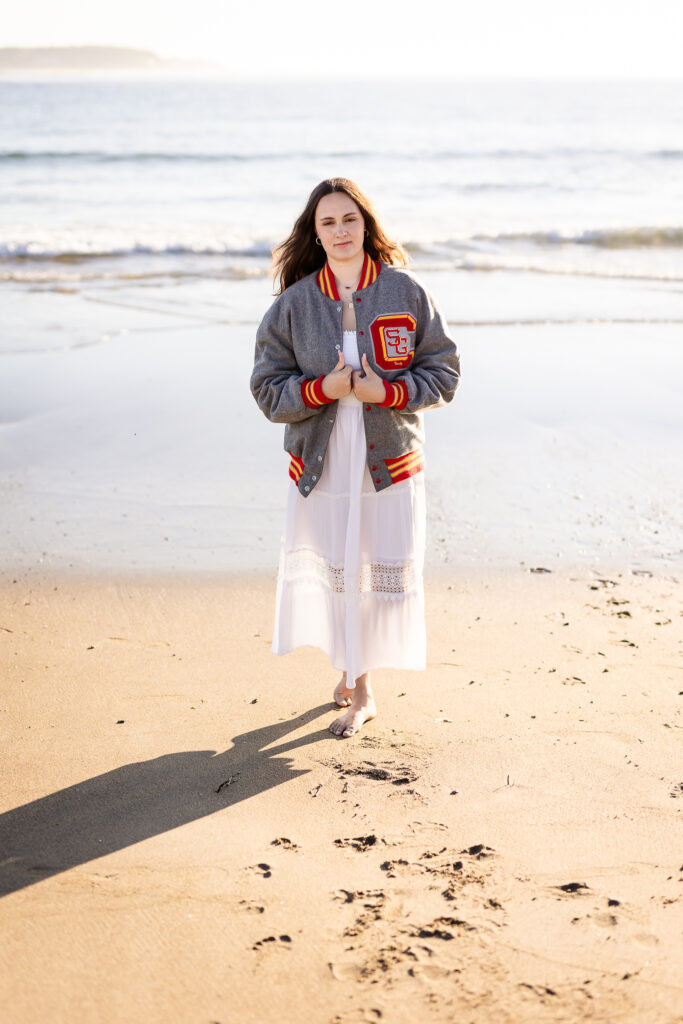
{"points": [[421, 667]]}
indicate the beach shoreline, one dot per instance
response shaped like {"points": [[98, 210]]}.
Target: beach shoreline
{"points": [[147, 452]]}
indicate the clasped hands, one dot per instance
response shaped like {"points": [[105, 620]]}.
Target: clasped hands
{"points": [[366, 385]]}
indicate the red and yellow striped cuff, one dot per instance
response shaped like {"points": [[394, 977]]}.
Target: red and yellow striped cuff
{"points": [[405, 466], [296, 468], [313, 395], [396, 395]]}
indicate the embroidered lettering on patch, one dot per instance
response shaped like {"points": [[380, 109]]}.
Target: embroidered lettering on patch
{"points": [[391, 336]]}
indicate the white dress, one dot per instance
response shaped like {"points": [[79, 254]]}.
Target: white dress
{"points": [[350, 576]]}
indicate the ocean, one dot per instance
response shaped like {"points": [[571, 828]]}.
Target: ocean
{"points": [[123, 177], [137, 218]]}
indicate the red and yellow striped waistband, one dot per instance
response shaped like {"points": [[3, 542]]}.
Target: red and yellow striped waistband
{"points": [[405, 465], [296, 468]]}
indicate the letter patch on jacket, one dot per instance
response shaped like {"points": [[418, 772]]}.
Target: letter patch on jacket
{"points": [[393, 338]]}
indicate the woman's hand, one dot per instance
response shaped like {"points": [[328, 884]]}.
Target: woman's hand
{"points": [[337, 383], [368, 386]]}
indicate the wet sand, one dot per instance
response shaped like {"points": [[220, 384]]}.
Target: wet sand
{"points": [[184, 840], [130, 443]]}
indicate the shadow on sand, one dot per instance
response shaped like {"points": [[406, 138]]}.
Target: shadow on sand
{"points": [[137, 801]]}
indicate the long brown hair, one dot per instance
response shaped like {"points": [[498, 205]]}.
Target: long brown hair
{"points": [[299, 255]]}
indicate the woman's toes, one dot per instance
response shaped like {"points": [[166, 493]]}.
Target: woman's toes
{"points": [[350, 723], [342, 696]]}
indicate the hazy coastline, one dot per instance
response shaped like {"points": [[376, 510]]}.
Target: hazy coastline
{"points": [[64, 63]]}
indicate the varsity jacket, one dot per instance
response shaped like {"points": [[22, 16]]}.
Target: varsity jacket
{"points": [[399, 328]]}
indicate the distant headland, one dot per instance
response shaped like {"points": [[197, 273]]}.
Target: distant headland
{"points": [[82, 58]]}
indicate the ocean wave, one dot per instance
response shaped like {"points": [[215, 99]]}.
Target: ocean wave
{"points": [[73, 251], [629, 253], [599, 238], [70, 277], [34, 251], [105, 156], [289, 156], [531, 267]]}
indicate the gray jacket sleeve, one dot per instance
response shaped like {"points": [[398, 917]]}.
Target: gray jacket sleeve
{"points": [[434, 373], [276, 378]]}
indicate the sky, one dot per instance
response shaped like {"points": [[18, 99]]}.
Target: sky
{"points": [[391, 41]]}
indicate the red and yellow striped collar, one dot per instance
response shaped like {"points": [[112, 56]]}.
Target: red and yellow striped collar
{"points": [[368, 275]]}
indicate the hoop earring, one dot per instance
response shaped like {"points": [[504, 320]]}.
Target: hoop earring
{"points": [[366, 232], [317, 241]]}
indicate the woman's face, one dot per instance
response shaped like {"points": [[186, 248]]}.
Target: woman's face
{"points": [[340, 226]]}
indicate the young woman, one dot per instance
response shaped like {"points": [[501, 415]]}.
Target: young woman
{"points": [[348, 356]]}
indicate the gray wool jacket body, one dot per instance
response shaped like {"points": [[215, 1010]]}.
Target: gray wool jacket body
{"points": [[299, 340]]}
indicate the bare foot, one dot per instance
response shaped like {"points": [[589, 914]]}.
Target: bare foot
{"points": [[361, 710], [342, 694]]}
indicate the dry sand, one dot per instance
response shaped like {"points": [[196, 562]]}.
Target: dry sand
{"points": [[184, 841]]}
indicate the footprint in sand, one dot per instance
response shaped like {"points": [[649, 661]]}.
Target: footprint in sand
{"points": [[272, 942], [443, 928], [430, 854], [264, 870], [351, 896], [251, 907], [387, 961], [457, 870], [392, 867], [479, 850], [385, 771], [359, 843], [371, 901], [360, 1016], [573, 887], [285, 844]]}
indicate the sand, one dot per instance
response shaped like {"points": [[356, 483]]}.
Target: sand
{"points": [[183, 840]]}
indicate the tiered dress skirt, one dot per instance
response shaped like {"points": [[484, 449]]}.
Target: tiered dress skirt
{"points": [[350, 575]]}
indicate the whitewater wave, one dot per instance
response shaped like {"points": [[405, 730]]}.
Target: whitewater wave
{"points": [[59, 273], [54, 252], [637, 253], [70, 250], [599, 238]]}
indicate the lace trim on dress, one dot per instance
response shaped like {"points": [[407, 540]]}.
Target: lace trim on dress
{"points": [[383, 579]]}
